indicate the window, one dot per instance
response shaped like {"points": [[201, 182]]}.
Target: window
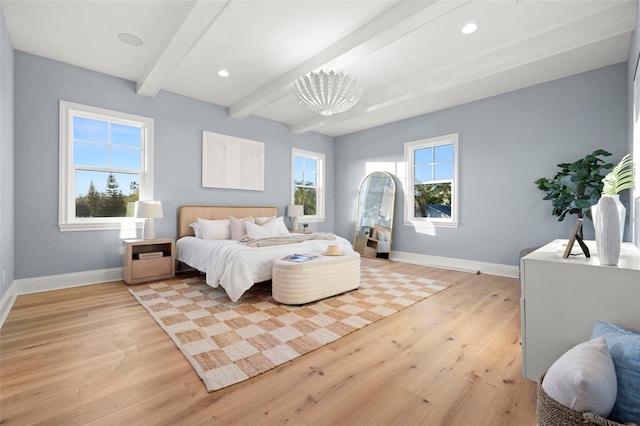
{"points": [[308, 183], [105, 166], [432, 181]]}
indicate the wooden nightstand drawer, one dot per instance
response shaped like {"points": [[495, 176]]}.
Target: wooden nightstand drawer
{"points": [[148, 260], [150, 268], [370, 252]]}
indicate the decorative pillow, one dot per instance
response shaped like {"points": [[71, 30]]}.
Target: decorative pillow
{"points": [[257, 231], [584, 378], [215, 229], [238, 228], [276, 226], [261, 220], [196, 229], [624, 346]]}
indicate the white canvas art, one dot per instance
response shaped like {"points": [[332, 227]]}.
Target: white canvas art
{"points": [[231, 162]]}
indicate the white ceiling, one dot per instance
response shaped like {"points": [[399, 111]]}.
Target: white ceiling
{"points": [[410, 55]]}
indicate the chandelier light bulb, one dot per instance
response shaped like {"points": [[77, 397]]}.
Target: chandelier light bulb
{"points": [[327, 92]]}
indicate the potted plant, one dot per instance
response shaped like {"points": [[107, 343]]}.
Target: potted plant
{"points": [[577, 186], [621, 177]]}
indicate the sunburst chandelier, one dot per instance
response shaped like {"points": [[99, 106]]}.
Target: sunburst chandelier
{"points": [[327, 92]]}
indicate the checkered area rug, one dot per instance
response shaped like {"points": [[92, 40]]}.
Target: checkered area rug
{"points": [[229, 342]]}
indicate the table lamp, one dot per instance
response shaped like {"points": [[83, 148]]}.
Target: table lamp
{"points": [[148, 210], [293, 211], [368, 223]]}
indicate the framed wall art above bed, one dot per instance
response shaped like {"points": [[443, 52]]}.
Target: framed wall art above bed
{"points": [[231, 162]]}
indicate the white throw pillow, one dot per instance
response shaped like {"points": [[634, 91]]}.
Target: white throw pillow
{"points": [[276, 226], [238, 227], [215, 229], [257, 231], [261, 220], [584, 378], [196, 229]]}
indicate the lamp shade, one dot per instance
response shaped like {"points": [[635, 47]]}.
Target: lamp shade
{"points": [[295, 210], [148, 209]]}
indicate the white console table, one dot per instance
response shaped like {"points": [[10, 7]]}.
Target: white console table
{"points": [[561, 300]]}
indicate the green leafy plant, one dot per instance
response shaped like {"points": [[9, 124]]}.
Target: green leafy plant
{"points": [[620, 177], [577, 186]]}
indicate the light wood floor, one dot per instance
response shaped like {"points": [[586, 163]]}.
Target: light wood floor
{"points": [[92, 355]]}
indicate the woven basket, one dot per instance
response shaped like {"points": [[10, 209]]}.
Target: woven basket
{"points": [[550, 412]]}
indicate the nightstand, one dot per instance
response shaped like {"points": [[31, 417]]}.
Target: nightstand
{"points": [[366, 246], [148, 260]]}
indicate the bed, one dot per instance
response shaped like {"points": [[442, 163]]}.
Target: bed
{"points": [[228, 263]]}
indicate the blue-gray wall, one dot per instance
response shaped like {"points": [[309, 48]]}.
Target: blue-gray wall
{"points": [[43, 250], [505, 143], [6, 159]]}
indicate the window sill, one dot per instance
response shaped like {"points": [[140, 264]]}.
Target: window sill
{"points": [[103, 226], [310, 219], [430, 224]]}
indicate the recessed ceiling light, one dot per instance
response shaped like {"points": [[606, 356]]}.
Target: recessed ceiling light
{"points": [[130, 39], [223, 73], [469, 28]]}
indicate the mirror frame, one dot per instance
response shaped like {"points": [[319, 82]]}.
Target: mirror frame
{"points": [[359, 244]]}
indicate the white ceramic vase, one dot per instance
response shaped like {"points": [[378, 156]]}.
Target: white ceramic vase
{"points": [[607, 226], [622, 212]]}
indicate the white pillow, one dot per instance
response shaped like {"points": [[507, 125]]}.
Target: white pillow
{"points": [[276, 226], [584, 378], [257, 231], [261, 220], [238, 228], [215, 229], [196, 229]]}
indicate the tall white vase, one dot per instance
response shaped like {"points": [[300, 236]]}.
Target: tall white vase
{"points": [[622, 212], [607, 225]]}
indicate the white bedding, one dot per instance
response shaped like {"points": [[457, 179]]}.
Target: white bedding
{"points": [[237, 267]]}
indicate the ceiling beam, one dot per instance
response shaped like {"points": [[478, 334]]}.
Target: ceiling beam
{"points": [[178, 42], [399, 20], [602, 26]]}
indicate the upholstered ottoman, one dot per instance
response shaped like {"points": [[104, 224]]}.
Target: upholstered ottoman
{"points": [[296, 283]]}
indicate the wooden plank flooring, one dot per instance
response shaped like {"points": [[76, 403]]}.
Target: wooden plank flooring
{"points": [[93, 356]]}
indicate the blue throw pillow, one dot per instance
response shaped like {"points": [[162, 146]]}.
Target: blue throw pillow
{"points": [[624, 347]]}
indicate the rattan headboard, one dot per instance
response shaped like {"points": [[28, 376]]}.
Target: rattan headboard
{"points": [[189, 214]]}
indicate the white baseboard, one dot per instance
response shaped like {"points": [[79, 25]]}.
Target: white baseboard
{"points": [[7, 301], [456, 264], [75, 279]]}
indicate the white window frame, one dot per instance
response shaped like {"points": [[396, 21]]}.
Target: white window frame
{"points": [[66, 211], [409, 201], [319, 157]]}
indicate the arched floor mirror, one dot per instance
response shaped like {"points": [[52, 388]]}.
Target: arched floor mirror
{"points": [[374, 215]]}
